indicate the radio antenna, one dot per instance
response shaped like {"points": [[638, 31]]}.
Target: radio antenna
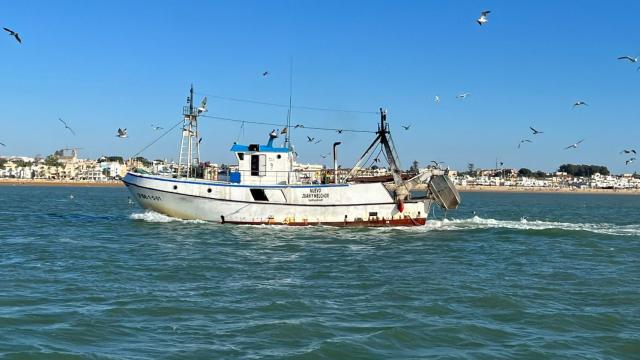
{"points": [[287, 138]]}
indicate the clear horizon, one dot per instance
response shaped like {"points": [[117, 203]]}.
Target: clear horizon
{"points": [[101, 66]]}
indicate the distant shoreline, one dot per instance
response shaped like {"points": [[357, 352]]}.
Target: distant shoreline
{"points": [[463, 189], [80, 183], [545, 190]]}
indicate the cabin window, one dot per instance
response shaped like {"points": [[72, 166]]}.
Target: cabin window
{"points": [[259, 195], [240, 156]]}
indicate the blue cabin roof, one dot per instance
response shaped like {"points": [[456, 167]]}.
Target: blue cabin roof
{"points": [[258, 148]]}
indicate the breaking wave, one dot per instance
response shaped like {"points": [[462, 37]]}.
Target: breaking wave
{"points": [[524, 224], [154, 217]]}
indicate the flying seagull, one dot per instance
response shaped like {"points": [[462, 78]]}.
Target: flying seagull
{"points": [[156, 128], [67, 126], [579, 103], [317, 141], [122, 133], [437, 163], [523, 141], [298, 126], [310, 139], [536, 132], [628, 151], [437, 99], [463, 96], [2, 144], [483, 17], [629, 161], [631, 59], [406, 127], [339, 131], [284, 130], [265, 73], [574, 146], [14, 34]]}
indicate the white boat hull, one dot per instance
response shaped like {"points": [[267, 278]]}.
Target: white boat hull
{"points": [[330, 204]]}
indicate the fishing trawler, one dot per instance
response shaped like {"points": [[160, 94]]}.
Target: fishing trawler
{"points": [[269, 188]]}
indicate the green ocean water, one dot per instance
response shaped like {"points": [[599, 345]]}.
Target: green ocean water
{"points": [[507, 276]]}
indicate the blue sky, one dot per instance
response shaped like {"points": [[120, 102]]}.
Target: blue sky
{"points": [[109, 64]]}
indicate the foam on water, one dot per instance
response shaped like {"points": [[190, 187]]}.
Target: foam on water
{"points": [[154, 217], [477, 222], [472, 223]]}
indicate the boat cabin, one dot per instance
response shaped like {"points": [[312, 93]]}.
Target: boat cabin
{"points": [[263, 164]]}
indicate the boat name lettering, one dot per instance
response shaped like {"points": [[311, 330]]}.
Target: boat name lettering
{"points": [[149, 197], [315, 195]]}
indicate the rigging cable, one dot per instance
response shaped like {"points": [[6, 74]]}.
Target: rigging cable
{"points": [[285, 125], [240, 132], [158, 138], [313, 108]]}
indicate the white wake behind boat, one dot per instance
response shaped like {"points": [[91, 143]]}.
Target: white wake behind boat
{"points": [[270, 188]]}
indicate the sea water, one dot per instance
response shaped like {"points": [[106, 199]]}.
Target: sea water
{"points": [[84, 274]]}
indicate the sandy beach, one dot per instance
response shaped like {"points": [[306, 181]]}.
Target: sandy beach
{"points": [[476, 188], [38, 182]]}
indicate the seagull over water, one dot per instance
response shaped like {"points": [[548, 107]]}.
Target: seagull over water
{"points": [[524, 141], [631, 59], [483, 17], [122, 133], [463, 96], [629, 161], [156, 128], [628, 151], [579, 103], [574, 146], [67, 126], [406, 127], [2, 144], [265, 73], [14, 34], [536, 132]]}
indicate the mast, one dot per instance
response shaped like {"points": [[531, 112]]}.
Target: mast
{"points": [[385, 139], [189, 158]]}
